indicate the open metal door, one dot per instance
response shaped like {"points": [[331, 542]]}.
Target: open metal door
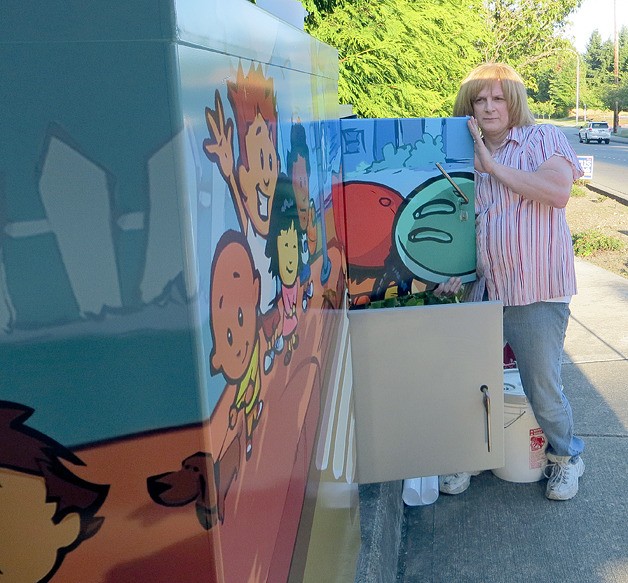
{"points": [[428, 389]]}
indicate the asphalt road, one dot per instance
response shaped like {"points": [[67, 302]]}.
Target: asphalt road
{"points": [[610, 161]]}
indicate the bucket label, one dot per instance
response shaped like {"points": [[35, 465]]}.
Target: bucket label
{"points": [[538, 445]]}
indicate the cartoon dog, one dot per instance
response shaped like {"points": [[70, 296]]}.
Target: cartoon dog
{"points": [[201, 480], [46, 510]]}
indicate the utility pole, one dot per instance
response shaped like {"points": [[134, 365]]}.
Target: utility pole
{"points": [[616, 112]]}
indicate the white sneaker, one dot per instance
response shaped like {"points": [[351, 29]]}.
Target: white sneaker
{"points": [[562, 483], [454, 483]]}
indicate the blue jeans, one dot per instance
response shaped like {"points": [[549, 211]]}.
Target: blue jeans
{"points": [[536, 334]]}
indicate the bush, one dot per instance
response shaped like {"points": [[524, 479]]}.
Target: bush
{"points": [[593, 241], [579, 189]]}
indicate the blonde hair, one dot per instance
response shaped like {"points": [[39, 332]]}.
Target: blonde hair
{"points": [[514, 90]]}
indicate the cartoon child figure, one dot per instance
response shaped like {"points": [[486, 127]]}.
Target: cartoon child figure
{"points": [[299, 171], [234, 301], [252, 180], [46, 511], [285, 259]]}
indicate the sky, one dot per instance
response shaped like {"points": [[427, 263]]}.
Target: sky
{"points": [[597, 14]]}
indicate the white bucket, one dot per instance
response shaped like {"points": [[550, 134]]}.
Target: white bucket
{"points": [[524, 440]]}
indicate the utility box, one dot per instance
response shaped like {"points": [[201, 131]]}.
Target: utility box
{"points": [[130, 271], [427, 379]]}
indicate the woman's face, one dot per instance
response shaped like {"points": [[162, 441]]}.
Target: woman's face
{"points": [[491, 111]]}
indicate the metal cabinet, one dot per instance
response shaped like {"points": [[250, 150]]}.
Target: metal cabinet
{"points": [[428, 389]]}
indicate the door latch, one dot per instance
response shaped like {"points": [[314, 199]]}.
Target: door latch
{"points": [[487, 407]]}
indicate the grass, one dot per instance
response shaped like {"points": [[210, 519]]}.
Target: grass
{"points": [[593, 241]]}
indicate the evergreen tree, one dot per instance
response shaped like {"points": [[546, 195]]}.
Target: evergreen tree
{"points": [[406, 58], [593, 53], [402, 58], [524, 32]]}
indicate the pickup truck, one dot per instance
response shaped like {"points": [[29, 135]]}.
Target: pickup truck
{"points": [[595, 130]]}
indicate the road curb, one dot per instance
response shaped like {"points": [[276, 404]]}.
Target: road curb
{"points": [[609, 192]]}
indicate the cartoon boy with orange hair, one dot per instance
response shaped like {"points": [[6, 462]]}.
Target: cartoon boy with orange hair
{"points": [[46, 511], [252, 179]]}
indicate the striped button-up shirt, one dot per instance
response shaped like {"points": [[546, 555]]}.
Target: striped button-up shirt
{"points": [[524, 247]]}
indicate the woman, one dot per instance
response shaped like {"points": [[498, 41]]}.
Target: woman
{"points": [[524, 174]]}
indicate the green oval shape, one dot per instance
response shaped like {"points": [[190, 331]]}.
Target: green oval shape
{"points": [[434, 231]]}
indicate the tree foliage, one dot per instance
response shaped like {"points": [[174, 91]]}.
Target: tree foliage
{"points": [[617, 94], [402, 58], [406, 58], [595, 55], [525, 32], [604, 90], [528, 34]]}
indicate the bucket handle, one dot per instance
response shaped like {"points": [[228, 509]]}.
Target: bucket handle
{"points": [[515, 419]]}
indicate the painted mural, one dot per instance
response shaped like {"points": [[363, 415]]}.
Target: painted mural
{"points": [[45, 507], [172, 340], [408, 203], [180, 211]]}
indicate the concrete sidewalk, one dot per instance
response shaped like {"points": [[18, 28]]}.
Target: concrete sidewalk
{"points": [[503, 532], [499, 531]]}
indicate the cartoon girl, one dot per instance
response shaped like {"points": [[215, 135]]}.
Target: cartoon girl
{"points": [[282, 247], [299, 172]]}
